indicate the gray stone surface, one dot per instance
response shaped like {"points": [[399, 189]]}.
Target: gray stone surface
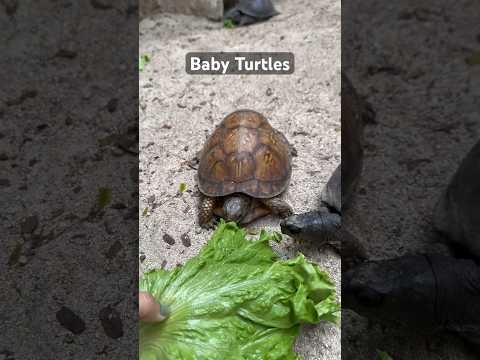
{"points": [[178, 112], [212, 9]]}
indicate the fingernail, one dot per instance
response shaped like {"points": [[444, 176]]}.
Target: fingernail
{"points": [[164, 310]]}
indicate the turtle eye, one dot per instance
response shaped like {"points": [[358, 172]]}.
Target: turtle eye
{"points": [[290, 228]]}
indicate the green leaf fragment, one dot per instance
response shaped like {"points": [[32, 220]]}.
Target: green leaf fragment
{"points": [[473, 59], [228, 24], [142, 61], [235, 301], [104, 197], [276, 236], [182, 187], [382, 355]]}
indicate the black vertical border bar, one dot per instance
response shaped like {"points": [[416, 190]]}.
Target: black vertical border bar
{"points": [[69, 179]]}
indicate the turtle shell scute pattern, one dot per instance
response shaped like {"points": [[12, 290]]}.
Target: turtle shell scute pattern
{"points": [[245, 154]]}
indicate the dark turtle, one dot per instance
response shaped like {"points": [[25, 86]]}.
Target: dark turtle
{"points": [[245, 12], [457, 214], [355, 114], [425, 292], [320, 226], [323, 226], [430, 292], [244, 167]]}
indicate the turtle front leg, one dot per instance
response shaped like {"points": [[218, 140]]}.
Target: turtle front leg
{"points": [[278, 206], [206, 217]]}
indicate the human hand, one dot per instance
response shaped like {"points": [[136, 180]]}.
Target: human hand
{"points": [[149, 309]]}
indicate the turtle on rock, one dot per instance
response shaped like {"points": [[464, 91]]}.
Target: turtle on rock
{"points": [[246, 12], [244, 167]]}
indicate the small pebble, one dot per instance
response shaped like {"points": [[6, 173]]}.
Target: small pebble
{"points": [[111, 322], [70, 321], [114, 249], [101, 4], [66, 52], [168, 239], [186, 240], [112, 105], [11, 6], [119, 206]]}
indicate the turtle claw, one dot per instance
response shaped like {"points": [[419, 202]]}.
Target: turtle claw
{"points": [[286, 212], [211, 224], [279, 207]]}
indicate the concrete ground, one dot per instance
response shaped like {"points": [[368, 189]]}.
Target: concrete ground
{"points": [[178, 112]]}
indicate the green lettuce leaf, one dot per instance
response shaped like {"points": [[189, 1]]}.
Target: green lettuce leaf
{"points": [[235, 301]]}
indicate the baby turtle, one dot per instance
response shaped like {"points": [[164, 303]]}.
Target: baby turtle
{"points": [[423, 292], [244, 167], [324, 226], [245, 12], [430, 291], [320, 226]]}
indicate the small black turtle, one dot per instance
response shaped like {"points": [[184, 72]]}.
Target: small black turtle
{"points": [[246, 12], [426, 292], [430, 292], [323, 226]]}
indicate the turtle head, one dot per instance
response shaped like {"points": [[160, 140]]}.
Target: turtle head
{"points": [[236, 208], [313, 226]]}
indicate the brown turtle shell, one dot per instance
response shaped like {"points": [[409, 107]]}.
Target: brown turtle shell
{"points": [[245, 154]]}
